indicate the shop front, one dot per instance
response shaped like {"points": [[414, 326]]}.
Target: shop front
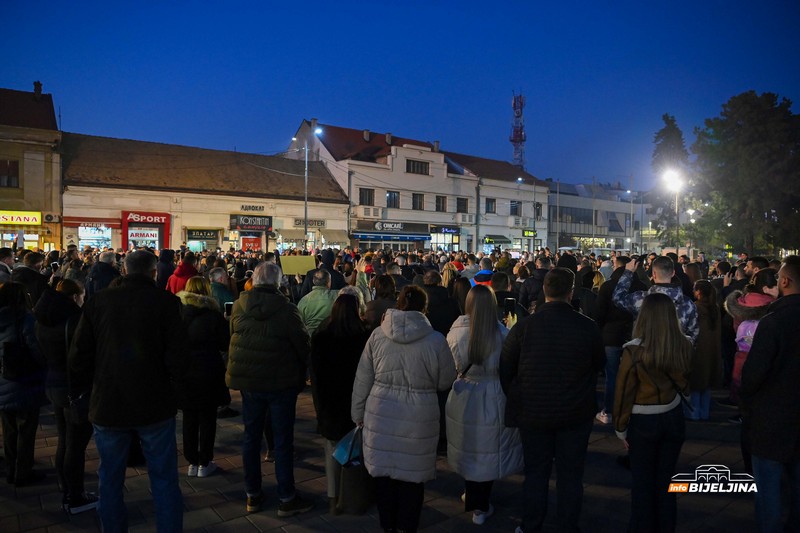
{"points": [[23, 229], [90, 231], [248, 231], [529, 242], [492, 242], [399, 236], [446, 238], [150, 230], [198, 240]]}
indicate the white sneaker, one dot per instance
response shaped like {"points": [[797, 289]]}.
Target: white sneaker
{"points": [[479, 517], [603, 417], [191, 471], [205, 471]]}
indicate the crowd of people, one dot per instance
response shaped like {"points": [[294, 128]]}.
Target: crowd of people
{"points": [[492, 360]]}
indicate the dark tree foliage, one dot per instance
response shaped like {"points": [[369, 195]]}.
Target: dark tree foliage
{"points": [[750, 156], [669, 153]]}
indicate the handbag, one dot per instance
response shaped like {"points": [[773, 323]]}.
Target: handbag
{"points": [[348, 451], [355, 493]]}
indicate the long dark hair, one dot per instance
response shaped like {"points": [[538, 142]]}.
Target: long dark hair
{"points": [[345, 320], [708, 297]]}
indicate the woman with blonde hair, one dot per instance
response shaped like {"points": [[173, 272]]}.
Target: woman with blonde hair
{"points": [[651, 385], [203, 387], [449, 276], [479, 446], [597, 281]]}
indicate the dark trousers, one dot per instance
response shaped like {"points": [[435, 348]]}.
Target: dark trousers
{"points": [[19, 439], [477, 495], [73, 437], [199, 433], [269, 435], [399, 503], [655, 444], [540, 447]]}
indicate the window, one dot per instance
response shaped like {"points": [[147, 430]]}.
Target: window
{"points": [[9, 173], [462, 205], [418, 202], [491, 205], [366, 196], [393, 199], [516, 208], [441, 204], [417, 167]]}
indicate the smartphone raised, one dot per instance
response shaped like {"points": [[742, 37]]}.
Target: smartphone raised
{"points": [[510, 306], [228, 308], [54, 266]]}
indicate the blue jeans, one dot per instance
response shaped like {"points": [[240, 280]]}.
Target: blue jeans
{"points": [[613, 356], [701, 403], [161, 451], [568, 447], [656, 442], [768, 498], [281, 407]]}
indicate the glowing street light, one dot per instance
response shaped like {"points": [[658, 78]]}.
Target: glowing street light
{"points": [[674, 182], [317, 131]]}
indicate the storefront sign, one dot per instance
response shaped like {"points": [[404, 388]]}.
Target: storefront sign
{"points": [[250, 223], [141, 233], [452, 230], [150, 218], [91, 222], [248, 208], [529, 233], [145, 229], [312, 223], [27, 218], [201, 235]]}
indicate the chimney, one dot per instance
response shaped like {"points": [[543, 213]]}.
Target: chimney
{"points": [[37, 90], [313, 124], [366, 135], [435, 146], [388, 138]]}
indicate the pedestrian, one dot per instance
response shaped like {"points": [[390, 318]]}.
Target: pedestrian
{"points": [[57, 315], [21, 384], [706, 371], [385, 298], [548, 371], [128, 351], [186, 269], [267, 359], [203, 387], [771, 403], [648, 417], [336, 350], [480, 448], [404, 364]]}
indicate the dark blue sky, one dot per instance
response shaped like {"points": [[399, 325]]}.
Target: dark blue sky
{"points": [[597, 75]]}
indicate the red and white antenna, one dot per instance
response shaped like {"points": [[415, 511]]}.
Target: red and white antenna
{"points": [[517, 137]]}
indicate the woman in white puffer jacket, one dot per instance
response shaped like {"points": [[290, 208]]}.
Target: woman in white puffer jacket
{"points": [[404, 364], [479, 446]]}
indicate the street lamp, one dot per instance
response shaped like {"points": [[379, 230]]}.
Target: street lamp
{"points": [[317, 131], [674, 183]]}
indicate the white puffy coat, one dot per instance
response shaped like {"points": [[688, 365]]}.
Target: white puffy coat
{"points": [[403, 365], [479, 446]]}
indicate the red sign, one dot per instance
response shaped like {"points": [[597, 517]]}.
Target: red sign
{"points": [[251, 243], [139, 221]]}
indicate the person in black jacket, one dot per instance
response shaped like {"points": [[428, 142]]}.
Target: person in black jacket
{"points": [[442, 310], [335, 352], [531, 291], [771, 401], [166, 266], [326, 263], [203, 387], [57, 315], [29, 274], [616, 325], [548, 370], [129, 350], [101, 274]]}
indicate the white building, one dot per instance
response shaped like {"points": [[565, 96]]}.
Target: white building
{"points": [[408, 194]]}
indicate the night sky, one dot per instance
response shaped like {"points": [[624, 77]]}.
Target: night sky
{"points": [[242, 75]]}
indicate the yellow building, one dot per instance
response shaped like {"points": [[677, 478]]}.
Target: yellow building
{"points": [[30, 170]]}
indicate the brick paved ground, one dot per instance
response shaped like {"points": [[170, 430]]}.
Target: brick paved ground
{"points": [[216, 503]]}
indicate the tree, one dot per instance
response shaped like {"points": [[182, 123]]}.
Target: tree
{"points": [[669, 154], [750, 155]]}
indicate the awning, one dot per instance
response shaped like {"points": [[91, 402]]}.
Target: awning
{"points": [[292, 234], [391, 237], [496, 239], [335, 235]]}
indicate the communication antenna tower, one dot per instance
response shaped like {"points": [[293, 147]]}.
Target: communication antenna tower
{"points": [[517, 137]]}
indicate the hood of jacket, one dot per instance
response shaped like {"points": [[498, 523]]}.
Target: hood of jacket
{"points": [[405, 327], [54, 308], [262, 302], [750, 306], [185, 270], [198, 300]]}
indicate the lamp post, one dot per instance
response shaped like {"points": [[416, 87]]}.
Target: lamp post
{"points": [[317, 131], [675, 183]]}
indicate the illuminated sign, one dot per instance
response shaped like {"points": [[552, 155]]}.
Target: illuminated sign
{"points": [[29, 218]]}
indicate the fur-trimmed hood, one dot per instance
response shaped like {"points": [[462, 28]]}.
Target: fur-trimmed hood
{"points": [[750, 306], [198, 300]]}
